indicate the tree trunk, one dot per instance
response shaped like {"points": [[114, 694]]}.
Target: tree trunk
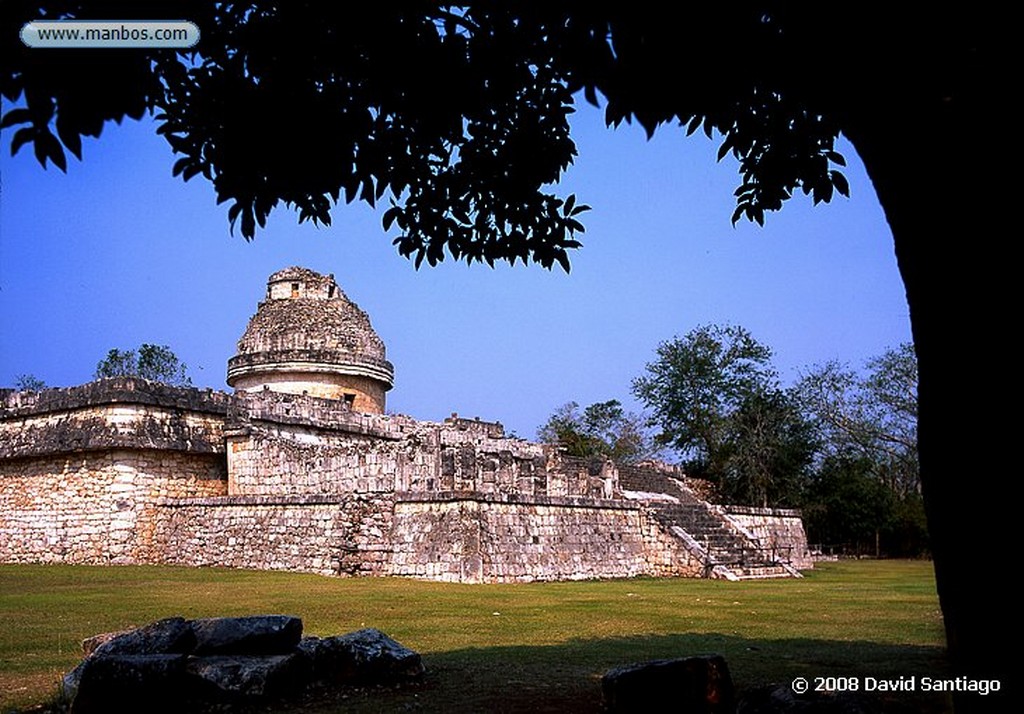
{"points": [[934, 169]]}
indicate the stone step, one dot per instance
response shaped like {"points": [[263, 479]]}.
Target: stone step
{"points": [[762, 572], [725, 546]]}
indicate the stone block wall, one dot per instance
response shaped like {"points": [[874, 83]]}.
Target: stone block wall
{"points": [[109, 414], [476, 537], [281, 444], [126, 471], [285, 444], [329, 535], [282, 460], [667, 555], [81, 468], [96, 507], [362, 393], [779, 529]]}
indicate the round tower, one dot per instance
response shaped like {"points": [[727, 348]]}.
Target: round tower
{"points": [[307, 337]]}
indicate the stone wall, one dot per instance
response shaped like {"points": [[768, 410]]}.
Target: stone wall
{"points": [[283, 444], [329, 535], [96, 507], [361, 393], [476, 537], [127, 471], [778, 529], [108, 414], [281, 460], [82, 468], [280, 444]]}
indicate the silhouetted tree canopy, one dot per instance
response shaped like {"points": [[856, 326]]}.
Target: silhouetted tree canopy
{"points": [[457, 115], [867, 427], [29, 383]]}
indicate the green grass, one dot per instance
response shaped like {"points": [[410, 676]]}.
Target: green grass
{"points": [[536, 647]]}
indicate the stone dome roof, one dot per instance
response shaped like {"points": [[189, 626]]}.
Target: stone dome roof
{"points": [[308, 325]]}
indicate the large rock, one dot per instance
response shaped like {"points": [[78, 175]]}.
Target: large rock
{"points": [[361, 657], [176, 665], [229, 677], [697, 685], [170, 636], [259, 634], [89, 644], [116, 684]]}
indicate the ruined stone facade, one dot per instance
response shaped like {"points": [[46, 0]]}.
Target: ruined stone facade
{"points": [[301, 470], [307, 337]]}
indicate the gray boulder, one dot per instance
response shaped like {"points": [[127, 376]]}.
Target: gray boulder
{"points": [[70, 681], [116, 684], [89, 644], [176, 665], [170, 636], [230, 677], [701, 685], [259, 634], [362, 657]]}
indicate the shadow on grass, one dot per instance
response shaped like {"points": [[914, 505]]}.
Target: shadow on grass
{"points": [[566, 677]]}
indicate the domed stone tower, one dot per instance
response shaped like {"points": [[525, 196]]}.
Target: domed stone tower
{"points": [[307, 337]]}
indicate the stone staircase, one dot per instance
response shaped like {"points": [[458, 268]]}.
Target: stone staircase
{"points": [[727, 551]]}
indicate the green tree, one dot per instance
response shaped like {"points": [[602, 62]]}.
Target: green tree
{"points": [[118, 363], [29, 383], [459, 114], [770, 451], [872, 415], [715, 397], [846, 507], [870, 418], [698, 382], [603, 430], [156, 363]]}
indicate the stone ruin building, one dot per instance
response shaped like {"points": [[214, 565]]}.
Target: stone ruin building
{"points": [[301, 469]]}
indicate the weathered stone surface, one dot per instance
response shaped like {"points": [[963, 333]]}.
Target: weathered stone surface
{"points": [[249, 677], [70, 681], [232, 660], [308, 337], [298, 476], [169, 636], [89, 644], [131, 683], [781, 699], [780, 530], [697, 685], [121, 412], [258, 634], [361, 657]]}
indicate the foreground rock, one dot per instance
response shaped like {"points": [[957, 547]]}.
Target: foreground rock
{"points": [[698, 685], [131, 683], [225, 678], [362, 657], [264, 634], [171, 636], [177, 665]]}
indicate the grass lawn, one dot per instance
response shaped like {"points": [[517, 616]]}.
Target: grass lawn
{"points": [[535, 647]]}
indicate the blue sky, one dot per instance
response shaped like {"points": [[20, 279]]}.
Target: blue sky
{"points": [[117, 252]]}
